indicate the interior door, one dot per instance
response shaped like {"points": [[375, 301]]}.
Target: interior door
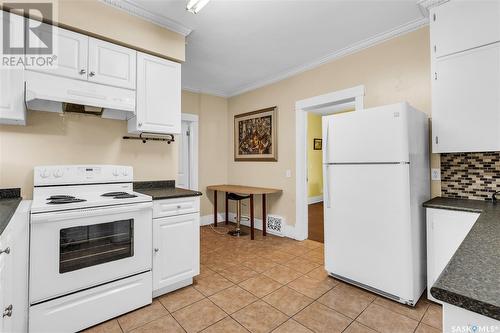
{"points": [[183, 176], [111, 64], [466, 102], [158, 95], [367, 227], [70, 48], [176, 246]]}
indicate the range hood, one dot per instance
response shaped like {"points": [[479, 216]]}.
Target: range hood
{"points": [[46, 92]]}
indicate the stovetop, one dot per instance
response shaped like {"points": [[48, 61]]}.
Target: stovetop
{"points": [[57, 198]]}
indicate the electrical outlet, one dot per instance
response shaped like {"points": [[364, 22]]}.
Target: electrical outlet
{"points": [[435, 174], [288, 173]]}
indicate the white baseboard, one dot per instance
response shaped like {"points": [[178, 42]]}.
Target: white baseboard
{"points": [[316, 199], [288, 230]]}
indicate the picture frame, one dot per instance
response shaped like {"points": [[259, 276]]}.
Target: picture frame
{"points": [[255, 136], [318, 144]]}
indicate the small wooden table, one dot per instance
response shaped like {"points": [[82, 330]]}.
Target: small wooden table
{"points": [[248, 190]]}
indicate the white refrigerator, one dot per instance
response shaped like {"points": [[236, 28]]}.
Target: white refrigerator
{"points": [[376, 177]]}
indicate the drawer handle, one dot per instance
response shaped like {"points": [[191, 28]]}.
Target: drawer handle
{"points": [[6, 251], [179, 206], [7, 312]]}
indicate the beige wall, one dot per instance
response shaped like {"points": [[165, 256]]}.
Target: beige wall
{"points": [[95, 18], [51, 138], [396, 70], [213, 137]]}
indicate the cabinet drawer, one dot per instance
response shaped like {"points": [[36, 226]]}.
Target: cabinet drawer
{"points": [[177, 206]]}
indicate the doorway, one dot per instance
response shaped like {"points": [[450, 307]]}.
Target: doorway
{"points": [[335, 102], [187, 174], [315, 177]]}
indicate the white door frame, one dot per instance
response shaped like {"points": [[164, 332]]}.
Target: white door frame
{"points": [[193, 144], [335, 102]]}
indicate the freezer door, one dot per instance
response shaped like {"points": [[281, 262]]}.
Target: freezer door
{"points": [[370, 135], [367, 227]]}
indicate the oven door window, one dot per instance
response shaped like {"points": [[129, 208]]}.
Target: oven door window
{"points": [[91, 245]]}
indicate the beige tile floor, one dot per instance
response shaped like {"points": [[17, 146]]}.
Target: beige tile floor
{"points": [[271, 284]]}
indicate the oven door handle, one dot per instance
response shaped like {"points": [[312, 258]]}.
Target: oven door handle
{"points": [[87, 212]]}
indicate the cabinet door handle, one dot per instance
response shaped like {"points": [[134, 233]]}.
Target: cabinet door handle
{"points": [[179, 206], [140, 124], [157, 250], [92, 74], [83, 71], [7, 312], [6, 251]]}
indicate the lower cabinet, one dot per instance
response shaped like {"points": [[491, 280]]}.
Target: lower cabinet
{"points": [[176, 251], [14, 272], [446, 229]]}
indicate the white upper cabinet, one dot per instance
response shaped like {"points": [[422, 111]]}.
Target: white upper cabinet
{"points": [[12, 107], [86, 58], [461, 25], [71, 49], [466, 101], [158, 96], [465, 70], [111, 64]]}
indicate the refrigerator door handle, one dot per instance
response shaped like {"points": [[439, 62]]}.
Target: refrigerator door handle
{"points": [[327, 187]]}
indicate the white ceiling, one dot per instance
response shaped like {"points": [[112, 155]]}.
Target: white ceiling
{"points": [[237, 45]]}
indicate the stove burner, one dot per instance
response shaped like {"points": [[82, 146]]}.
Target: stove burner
{"points": [[113, 194], [125, 196], [60, 197], [65, 201]]}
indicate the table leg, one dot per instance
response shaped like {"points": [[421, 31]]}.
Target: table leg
{"points": [[227, 210], [251, 217], [215, 208], [264, 215]]}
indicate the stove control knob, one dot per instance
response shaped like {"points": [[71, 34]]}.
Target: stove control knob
{"points": [[44, 173], [58, 173], [115, 172], [124, 172]]}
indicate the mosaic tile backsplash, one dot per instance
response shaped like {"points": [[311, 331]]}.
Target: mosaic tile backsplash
{"points": [[470, 175]]}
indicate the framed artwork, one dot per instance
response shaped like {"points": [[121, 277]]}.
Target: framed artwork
{"points": [[255, 137], [317, 144]]}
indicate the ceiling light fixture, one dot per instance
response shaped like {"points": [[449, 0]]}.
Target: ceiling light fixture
{"points": [[194, 6]]}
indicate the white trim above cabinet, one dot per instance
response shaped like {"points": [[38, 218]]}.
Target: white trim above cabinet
{"points": [[158, 96]]}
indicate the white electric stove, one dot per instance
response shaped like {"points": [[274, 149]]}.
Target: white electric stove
{"points": [[90, 246]]}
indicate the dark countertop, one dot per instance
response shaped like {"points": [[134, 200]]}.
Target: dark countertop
{"points": [[9, 200], [471, 280], [163, 189]]}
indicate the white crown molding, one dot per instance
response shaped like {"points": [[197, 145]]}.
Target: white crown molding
{"points": [[356, 47], [132, 8], [212, 92], [428, 4]]}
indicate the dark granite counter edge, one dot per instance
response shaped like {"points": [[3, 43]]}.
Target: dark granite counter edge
{"points": [[447, 295], [10, 198], [467, 303], [163, 189]]}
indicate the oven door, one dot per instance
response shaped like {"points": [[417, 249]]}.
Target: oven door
{"points": [[77, 249]]}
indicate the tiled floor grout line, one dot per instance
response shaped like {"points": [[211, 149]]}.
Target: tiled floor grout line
{"points": [[171, 314]]}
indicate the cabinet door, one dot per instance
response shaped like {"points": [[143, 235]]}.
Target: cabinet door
{"points": [[158, 95], [466, 101], [5, 287], [176, 249], [111, 64], [12, 107], [70, 48], [445, 232], [461, 25]]}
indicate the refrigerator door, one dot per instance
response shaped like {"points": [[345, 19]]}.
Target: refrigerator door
{"points": [[372, 135], [367, 227]]}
